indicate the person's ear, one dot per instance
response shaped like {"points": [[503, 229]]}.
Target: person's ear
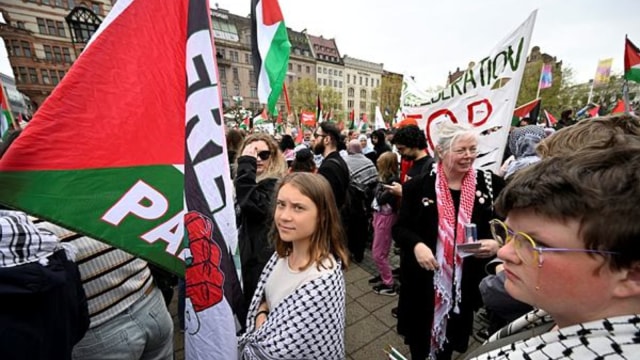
{"points": [[627, 282], [439, 151]]}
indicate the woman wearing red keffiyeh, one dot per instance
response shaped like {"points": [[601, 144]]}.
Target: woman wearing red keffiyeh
{"points": [[439, 290]]}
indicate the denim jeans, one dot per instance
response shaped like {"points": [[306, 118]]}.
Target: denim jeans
{"points": [[143, 331]]}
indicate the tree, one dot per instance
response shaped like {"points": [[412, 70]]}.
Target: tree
{"points": [[389, 91], [303, 95]]}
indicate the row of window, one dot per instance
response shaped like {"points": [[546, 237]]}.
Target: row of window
{"points": [[67, 4], [235, 56], [325, 82], [351, 93], [26, 75], [366, 80], [329, 71], [51, 27], [52, 53], [299, 68]]}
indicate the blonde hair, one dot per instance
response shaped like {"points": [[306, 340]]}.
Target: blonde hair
{"points": [[387, 166], [277, 165]]}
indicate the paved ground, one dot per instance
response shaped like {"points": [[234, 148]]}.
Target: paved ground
{"points": [[370, 326]]}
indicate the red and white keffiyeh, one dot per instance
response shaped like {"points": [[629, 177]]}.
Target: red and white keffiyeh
{"points": [[450, 233]]}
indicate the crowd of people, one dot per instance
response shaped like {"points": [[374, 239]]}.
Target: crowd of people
{"points": [[546, 245]]}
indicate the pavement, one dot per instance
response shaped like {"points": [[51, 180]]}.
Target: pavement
{"points": [[370, 328]]}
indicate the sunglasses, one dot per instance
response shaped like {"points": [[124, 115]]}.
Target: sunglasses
{"points": [[264, 155]]}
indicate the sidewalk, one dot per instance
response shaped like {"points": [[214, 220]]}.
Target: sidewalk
{"points": [[370, 326]]}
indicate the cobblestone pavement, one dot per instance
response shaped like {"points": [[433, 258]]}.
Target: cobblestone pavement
{"points": [[370, 326]]}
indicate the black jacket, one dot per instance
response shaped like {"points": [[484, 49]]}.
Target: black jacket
{"points": [[336, 171], [418, 222], [43, 310], [255, 201]]}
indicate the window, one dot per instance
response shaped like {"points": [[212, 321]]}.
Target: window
{"points": [[253, 92], [235, 74], [223, 73], [290, 67], [335, 83], [363, 94], [51, 26], [61, 74], [350, 104], [57, 54], [45, 2], [96, 8], [319, 69], [366, 81], [246, 58], [252, 76], [71, 4], [17, 50], [60, 27], [360, 77], [363, 105], [20, 25], [348, 78], [47, 53], [234, 56], [324, 70], [350, 93], [67, 55], [340, 73], [45, 76], [299, 68], [290, 78], [308, 69], [26, 48], [59, 3], [23, 74], [33, 76], [236, 89], [54, 77], [225, 93], [340, 84], [223, 53], [41, 26]]}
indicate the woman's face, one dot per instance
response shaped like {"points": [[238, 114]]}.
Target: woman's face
{"points": [[573, 287], [261, 147], [460, 157], [295, 216]]}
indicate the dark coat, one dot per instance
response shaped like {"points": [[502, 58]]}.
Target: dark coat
{"points": [[44, 310], [336, 171], [419, 223], [255, 201]]}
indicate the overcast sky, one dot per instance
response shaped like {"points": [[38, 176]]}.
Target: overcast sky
{"points": [[428, 39]]}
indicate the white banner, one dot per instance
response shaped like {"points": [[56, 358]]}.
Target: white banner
{"points": [[484, 96]]}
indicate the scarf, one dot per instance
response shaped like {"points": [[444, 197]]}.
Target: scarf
{"points": [[450, 233]]}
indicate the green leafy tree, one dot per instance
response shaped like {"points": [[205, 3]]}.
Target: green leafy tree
{"points": [[389, 91], [303, 95]]}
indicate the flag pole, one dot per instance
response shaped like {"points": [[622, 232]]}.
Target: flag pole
{"points": [[625, 87], [539, 81]]}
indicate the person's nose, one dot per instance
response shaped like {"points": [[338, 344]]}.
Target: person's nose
{"points": [[507, 253]]}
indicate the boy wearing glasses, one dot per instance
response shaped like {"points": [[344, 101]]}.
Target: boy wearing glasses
{"points": [[571, 251]]}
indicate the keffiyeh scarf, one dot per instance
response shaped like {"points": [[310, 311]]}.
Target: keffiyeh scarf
{"points": [[450, 233], [21, 242], [307, 324]]}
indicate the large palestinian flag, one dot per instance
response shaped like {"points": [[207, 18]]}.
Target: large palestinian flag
{"points": [[130, 149]]}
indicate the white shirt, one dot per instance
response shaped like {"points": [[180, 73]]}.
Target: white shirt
{"points": [[283, 280]]}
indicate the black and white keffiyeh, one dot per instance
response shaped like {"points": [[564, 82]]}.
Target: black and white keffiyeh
{"points": [[21, 242], [611, 338], [307, 324]]}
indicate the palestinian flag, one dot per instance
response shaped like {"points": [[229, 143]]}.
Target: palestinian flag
{"points": [[270, 49], [319, 110], [352, 120], [631, 61], [529, 110], [6, 120], [137, 159], [551, 120], [619, 108]]}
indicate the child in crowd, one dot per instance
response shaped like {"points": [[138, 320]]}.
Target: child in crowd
{"points": [[384, 217]]}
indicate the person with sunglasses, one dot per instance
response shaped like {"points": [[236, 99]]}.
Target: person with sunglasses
{"points": [[439, 291], [259, 168], [571, 251]]}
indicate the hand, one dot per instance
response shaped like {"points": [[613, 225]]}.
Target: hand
{"points": [[250, 150], [395, 188], [425, 257], [487, 249], [260, 319]]}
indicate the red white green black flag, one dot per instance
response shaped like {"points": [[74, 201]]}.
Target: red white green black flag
{"points": [[130, 149]]}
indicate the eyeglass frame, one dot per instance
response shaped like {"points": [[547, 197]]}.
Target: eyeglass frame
{"points": [[316, 135], [538, 250]]}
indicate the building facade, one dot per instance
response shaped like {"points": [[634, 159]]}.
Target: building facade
{"points": [[44, 37], [329, 64], [363, 79]]}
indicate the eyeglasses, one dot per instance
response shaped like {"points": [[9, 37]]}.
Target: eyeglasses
{"points": [[471, 151], [264, 155], [526, 248]]}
